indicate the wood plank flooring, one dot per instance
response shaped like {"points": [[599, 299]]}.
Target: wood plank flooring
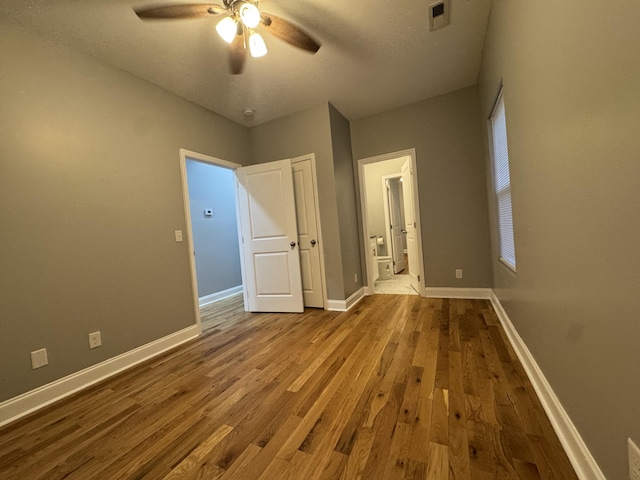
{"points": [[401, 387]]}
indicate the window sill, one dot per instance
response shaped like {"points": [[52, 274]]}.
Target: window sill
{"points": [[509, 267]]}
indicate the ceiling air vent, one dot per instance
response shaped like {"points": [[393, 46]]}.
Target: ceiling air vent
{"points": [[439, 15]]}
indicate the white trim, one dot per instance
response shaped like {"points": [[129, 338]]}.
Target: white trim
{"points": [[221, 295], [17, 407], [509, 267], [583, 462], [200, 157], [411, 153], [450, 292], [345, 305]]}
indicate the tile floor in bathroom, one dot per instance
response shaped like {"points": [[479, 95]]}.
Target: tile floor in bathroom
{"points": [[396, 285]]}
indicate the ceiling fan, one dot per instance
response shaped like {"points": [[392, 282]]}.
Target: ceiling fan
{"points": [[237, 27]]}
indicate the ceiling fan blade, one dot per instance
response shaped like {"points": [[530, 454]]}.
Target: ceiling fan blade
{"points": [[179, 11], [237, 53], [282, 29]]}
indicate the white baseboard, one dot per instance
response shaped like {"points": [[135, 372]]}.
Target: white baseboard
{"points": [[345, 305], [216, 297], [14, 408], [450, 292], [583, 462]]}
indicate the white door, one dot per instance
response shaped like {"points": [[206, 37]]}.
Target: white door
{"points": [[410, 225], [397, 224], [303, 187], [266, 208]]}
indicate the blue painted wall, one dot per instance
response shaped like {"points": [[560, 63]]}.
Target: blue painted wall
{"points": [[215, 238]]}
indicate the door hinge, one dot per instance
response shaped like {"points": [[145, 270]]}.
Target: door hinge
{"points": [[415, 225], [418, 277]]}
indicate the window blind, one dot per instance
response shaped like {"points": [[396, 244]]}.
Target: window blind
{"points": [[502, 183]]}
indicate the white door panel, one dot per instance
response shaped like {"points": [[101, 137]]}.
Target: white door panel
{"points": [[308, 237], [397, 224], [269, 237], [409, 216], [267, 283], [267, 210]]}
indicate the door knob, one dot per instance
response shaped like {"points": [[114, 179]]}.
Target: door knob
{"points": [[293, 244], [313, 242]]}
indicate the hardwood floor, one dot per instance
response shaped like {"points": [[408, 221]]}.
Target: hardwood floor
{"points": [[399, 387]]}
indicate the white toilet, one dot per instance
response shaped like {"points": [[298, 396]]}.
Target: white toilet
{"points": [[384, 268]]}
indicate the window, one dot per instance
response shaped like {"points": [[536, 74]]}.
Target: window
{"points": [[502, 182]]}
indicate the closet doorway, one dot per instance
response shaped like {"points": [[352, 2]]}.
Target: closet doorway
{"points": [[209, 189]]}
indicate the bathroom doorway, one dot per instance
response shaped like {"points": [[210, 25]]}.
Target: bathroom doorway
{"points": [[390, 216]]}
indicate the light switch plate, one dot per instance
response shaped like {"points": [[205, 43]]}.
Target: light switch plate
{"points": [[178, 234]]}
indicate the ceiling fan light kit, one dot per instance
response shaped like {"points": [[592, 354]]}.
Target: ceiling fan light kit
{"points": [[257, 47], [227, 29], [243, 18], [237, 28], [249, 14]]}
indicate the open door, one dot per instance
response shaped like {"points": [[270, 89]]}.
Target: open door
{"points": [[308, 232], [410, 225], [267, 215], [396, 222]]}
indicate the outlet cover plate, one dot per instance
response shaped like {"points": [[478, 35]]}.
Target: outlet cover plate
{"points": [[39, 358], [95, 340]]}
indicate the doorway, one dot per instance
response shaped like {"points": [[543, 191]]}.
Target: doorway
{"points": [[391, 223], [212, 232]]}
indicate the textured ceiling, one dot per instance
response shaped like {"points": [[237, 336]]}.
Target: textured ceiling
{"points": [[375, 55]]}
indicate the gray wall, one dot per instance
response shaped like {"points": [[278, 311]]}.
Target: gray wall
{"points": [[453, 203], [572, 101], [215, 238], [346, 197], [90, 194], [375, 198], [305, 132]]}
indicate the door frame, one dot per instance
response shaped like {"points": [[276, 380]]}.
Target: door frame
{"points": [[411, 153], [200, 157], [312, 159]]}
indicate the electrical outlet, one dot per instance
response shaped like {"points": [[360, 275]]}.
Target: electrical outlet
{"points": [[634, 461], [95, 340], [178, 234], [355, 278], [39, 358], [458, 273]]}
